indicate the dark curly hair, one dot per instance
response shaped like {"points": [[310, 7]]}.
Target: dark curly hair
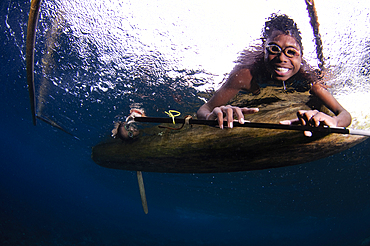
{"points": [[284, 24], [253, 57]]}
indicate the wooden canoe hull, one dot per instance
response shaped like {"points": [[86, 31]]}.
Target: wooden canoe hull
{"points": [[204, 149]]}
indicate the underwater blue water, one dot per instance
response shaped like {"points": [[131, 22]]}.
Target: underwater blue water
{"points": [[52, 193]]}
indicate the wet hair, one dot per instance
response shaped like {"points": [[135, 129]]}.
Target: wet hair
{"points": [[283, 24], [253, 57]]}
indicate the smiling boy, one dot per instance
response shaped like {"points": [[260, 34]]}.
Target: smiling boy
{"points": [[277, 62]]}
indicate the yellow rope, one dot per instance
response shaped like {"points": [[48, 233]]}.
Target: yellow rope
{"points": [[170, 114]]}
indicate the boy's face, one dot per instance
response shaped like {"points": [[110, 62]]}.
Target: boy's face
{"points": [[283, 56]]}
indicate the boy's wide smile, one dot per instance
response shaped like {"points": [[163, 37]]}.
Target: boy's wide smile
{"points": [[282, 70], [283, 56]]}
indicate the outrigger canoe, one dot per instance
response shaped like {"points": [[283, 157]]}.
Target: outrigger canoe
{"points": [[205, 149]]}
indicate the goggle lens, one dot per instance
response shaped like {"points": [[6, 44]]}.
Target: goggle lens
{"points": [[289, 51]]}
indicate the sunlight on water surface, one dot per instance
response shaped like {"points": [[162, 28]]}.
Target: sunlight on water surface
{"points": [[103, 56]]}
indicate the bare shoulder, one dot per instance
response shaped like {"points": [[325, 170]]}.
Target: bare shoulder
{"points": [[320, 91], [240, 79], [318, 88]]}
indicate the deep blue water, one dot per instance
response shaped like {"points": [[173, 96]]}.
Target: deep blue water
{"points": [[52, 193]]}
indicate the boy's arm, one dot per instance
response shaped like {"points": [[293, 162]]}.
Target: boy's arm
{"points": [[215, 109], [315, 118], [342, 117]]}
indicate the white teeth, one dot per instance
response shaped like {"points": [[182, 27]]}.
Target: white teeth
{"points": [[282, 69]]}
